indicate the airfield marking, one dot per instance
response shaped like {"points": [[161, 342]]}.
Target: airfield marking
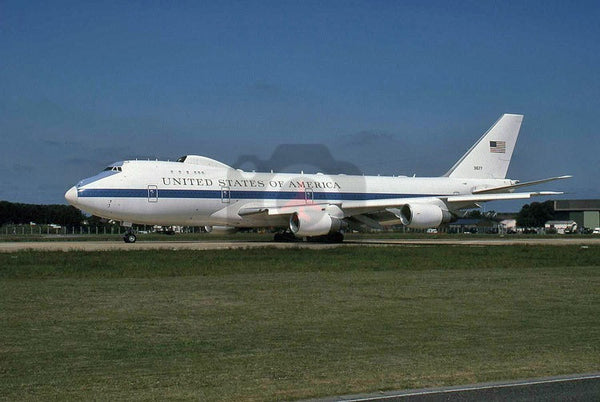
{"points": [[524, 383]]}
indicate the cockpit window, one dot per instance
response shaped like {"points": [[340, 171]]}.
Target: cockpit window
{"points": [[182, 159], [113, 168]]}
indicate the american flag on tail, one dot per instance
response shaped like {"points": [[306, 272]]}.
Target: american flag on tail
{"points": [[498, 147]]}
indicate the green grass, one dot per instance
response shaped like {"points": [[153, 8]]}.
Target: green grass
{"points": [[267, 324]]}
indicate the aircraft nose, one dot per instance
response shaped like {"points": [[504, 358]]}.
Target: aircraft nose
{"points": [[71, 195]]}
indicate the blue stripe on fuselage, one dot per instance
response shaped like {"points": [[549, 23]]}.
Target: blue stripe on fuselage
{"points": [[239, 194]]}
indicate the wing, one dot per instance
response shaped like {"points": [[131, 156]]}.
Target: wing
{"points": [[376, 212], [387, 210], [416, 212]]}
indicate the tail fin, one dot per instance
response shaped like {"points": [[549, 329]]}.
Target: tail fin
{"points": [[490, 156]]}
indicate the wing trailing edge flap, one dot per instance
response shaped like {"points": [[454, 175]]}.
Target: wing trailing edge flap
{"points": [[278, 209]]}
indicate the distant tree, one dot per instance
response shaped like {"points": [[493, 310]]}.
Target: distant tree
{"points": [[100, 222], [16, 213], [6, 212], [535, 214], [474, 214]]}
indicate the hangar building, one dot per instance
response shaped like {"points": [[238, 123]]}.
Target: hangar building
{"points": [[585, 212]]}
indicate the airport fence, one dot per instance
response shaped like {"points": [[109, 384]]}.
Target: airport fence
{"points": [[8, 231], [48, 230]]}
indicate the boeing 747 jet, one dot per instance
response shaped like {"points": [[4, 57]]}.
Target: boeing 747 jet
{"points": [[199, 191]]}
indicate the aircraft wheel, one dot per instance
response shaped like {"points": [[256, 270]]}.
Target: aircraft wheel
{"points": [[129, 238], [284, 237], [336, 237]]}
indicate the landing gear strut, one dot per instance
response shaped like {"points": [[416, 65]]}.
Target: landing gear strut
{"points": [[129, 237]]}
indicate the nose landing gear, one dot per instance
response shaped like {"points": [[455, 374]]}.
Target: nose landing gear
{"points": [[129, 237]]}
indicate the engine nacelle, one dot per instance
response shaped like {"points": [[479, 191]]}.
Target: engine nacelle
{"points": [[220, 229], [423, 216], [314, 222]]}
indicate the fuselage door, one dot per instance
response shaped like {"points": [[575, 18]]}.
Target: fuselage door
{"points": [[152, 193], [309, 195], [225, 195]]}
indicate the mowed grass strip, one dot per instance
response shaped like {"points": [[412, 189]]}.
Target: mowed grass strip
{"points": [[268, 324]]}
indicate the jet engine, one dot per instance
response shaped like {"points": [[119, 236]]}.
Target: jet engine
{"points": [[220, 229], [423, 216], [314, 222]]}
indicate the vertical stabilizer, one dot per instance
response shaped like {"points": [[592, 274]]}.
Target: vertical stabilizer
{"points": [[490, 156]]}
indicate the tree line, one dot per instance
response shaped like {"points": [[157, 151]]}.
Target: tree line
{"points": [[17, 213], [536, 214]]}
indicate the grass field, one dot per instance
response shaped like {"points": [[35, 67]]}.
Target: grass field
{"points": [[267, 324]]}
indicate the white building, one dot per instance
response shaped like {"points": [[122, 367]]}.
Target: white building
{"points": [[561, 227]]}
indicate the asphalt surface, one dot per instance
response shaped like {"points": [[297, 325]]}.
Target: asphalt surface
{"points": [[236, 244], [150, 245], [579, 387]]}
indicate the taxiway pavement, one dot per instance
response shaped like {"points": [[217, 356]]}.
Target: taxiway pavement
{"points": [[57, 245], [578, 387]]}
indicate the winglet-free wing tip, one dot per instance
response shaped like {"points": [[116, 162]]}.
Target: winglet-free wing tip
{"points": [[548, 193]]}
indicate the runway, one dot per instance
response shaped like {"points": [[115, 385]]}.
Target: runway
{"points": [[579, 387], [75, 245]]}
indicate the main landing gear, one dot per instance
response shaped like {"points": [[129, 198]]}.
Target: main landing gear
{"points": [[287, 237], [129, 237], [336, 237]]}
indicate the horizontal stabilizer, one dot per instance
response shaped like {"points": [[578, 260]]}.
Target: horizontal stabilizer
{"points": [[498, 197], [503, 189]]}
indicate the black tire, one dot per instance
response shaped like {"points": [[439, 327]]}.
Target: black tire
{"points": [[336, 237], [285, 237], [129, 238]]}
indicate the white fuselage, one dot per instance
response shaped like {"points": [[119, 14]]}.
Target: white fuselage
{"points": [[179, 193]]}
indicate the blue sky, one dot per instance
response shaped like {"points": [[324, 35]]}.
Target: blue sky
{"points": [[394, 87]]}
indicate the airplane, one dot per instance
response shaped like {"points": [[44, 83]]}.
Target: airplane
{"points": [[200, 191]]}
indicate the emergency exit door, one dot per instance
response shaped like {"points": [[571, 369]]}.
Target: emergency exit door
{"points": [[152, 193]]}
